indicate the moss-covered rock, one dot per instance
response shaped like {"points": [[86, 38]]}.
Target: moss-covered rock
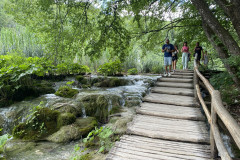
{"points": [[68, 108], [86, 86], [132, 103], [81, 127], [15, 146], [9, 94], [42, 123], [81, 79], [65, 119], [96, 106], [115, 109], [2, 121], [112, 82], [66, 91], [36, 89]]}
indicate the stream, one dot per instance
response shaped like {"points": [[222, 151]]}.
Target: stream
{"points": [[130, 95]]}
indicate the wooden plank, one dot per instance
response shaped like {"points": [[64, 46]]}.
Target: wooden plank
{"points": [[176, 80], [170, 129], [141, 154], [171, 99], [159, 151], [173, 144], [181, 76], [177, 85], [171, 111], [182, 153], [183, 73], [172, 90]]}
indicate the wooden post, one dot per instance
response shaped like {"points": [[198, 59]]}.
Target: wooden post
{"points": [[195, 78], [214, 151], [195, 81]]}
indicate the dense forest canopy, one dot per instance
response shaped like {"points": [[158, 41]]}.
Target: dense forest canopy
{"points": [[55, 45], [64, 29]]}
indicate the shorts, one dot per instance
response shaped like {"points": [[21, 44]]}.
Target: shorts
{"points": [[167, 61], [174, 58], [198, 57]]}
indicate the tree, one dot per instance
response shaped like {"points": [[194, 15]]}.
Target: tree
{"points": [[221, 38]]}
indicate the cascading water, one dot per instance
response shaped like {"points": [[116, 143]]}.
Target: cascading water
{"points": [[130, 95]]}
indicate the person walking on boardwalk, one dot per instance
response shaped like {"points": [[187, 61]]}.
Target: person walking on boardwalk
{"points": [[167, 49], [199, 50], [206, 59], [174, 58], [185, 55]]}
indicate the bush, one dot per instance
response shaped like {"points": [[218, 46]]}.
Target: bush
{"points": [[66, 91], [72, 68], [133, 71], [224, 83], [102, 137], [111, 68], [3, 140]]}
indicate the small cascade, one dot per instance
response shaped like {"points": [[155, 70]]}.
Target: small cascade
{"points": [[122, 96]]}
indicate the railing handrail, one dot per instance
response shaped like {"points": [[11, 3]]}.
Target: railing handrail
{"points": [[217, 109]]}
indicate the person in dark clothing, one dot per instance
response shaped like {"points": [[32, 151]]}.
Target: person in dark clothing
{"points": [[199, 50], [174, 58]]}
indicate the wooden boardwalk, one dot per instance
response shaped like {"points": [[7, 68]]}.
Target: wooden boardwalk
{"points": [[168, 125]]}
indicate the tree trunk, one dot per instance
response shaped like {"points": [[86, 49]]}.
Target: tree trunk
{"points": [[222, 53], [233, 12], [223, 35]]}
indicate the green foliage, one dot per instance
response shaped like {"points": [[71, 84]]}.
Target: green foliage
{"points": [[40, 122], [111, 68], [17, 76], [224, 83], [72, 68], [16, 80], [70, 83], [86, 156], [3, 141], [102, 137], [66, 91], [133, 71]]}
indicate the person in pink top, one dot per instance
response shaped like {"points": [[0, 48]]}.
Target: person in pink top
{"points": [[185, 52]]}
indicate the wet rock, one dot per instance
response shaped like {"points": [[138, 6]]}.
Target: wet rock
{"points": [[86, 86], [97, 80], [75, 131], [115, 109], [96, 106], [42, 123], [149, 83], [14, 146], [65, 119], [2, 121], [112, 82], [68, 108], [66, 91], [119, 124], [81, 79], [116, 101], [132, 103], [34, 89]]}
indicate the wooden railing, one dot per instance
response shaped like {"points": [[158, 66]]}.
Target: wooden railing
{"points": [[218, 111]]}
